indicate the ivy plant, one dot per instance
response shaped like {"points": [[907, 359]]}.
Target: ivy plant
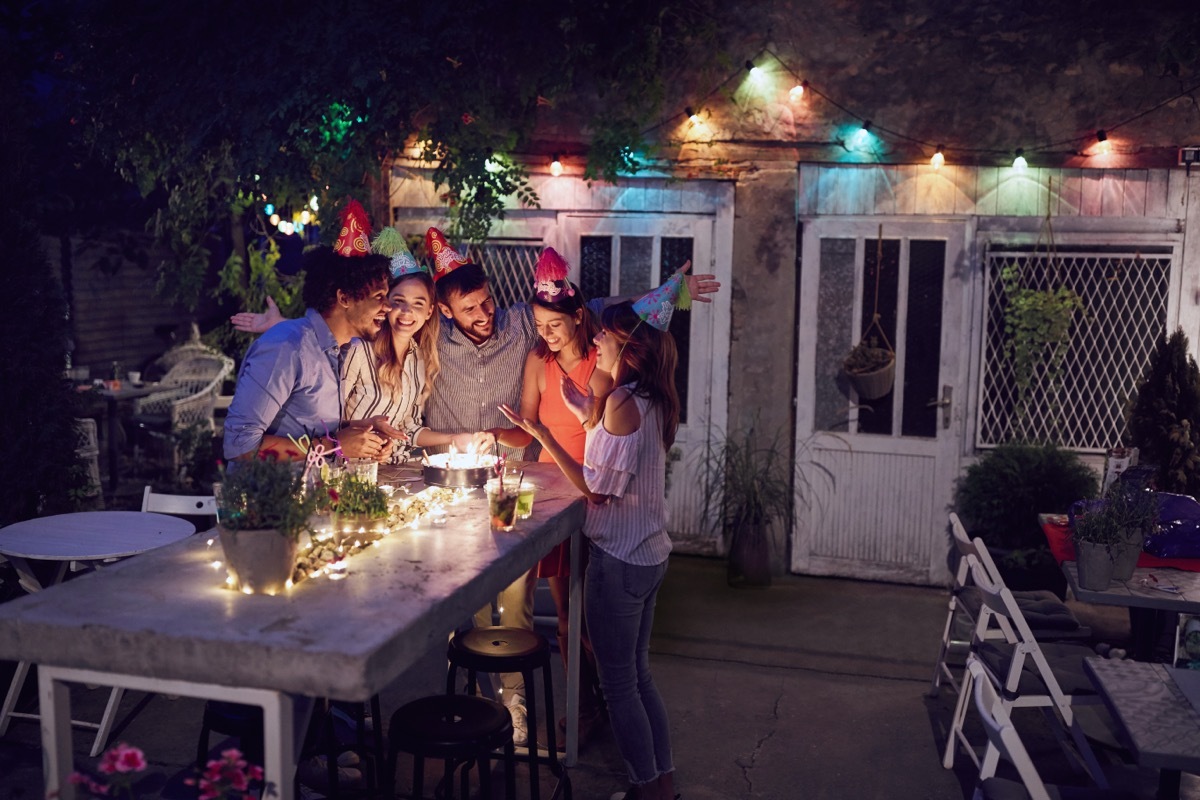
{"points": [[1037, 325]]}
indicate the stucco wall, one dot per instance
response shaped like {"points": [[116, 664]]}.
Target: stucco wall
{"points": [[762, 355]]}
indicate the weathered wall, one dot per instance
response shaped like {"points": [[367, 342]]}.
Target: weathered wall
{"points": [[762, 355]]}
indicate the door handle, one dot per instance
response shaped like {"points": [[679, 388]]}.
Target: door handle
{"points": [[945, 404]]}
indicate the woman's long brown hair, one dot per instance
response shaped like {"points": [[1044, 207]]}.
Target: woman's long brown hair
{"points": [[585, 330], [390, 363], [647, 357]]}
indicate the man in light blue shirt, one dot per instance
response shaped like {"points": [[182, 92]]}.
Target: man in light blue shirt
{"points": [[289, 381]]}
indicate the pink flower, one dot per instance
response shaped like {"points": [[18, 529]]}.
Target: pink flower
{"points": [[129, 759]]}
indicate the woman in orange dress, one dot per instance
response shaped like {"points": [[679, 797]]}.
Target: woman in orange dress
{"points": [[566, 328]]}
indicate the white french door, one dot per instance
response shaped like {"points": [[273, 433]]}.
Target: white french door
{"points": [[877, 476], [625, 255]]}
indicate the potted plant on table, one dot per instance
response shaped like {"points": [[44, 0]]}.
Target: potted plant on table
{"points": [[360, 508], [1109, 533], [262, 510]]}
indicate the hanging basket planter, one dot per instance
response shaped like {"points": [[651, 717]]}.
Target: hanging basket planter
{"points": [[876, 378]]}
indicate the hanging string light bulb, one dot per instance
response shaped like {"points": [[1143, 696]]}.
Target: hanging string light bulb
{"points": [[556, 167], [797, 92], [755, 72], [862, 134], [1019, 163], [1103, 146], [939, 158], [692, 116]]}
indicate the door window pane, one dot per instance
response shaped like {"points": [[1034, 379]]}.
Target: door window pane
{"points": [[636, 254], [595, 268], [922, 339], [881, 280], [835, 290]]}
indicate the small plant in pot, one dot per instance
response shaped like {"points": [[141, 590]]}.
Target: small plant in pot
{"points": [[360, 508], [870, 369], [1113, 530], [262, 511], [748, 487]]}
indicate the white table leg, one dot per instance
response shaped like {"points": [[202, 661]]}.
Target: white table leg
{"points": [[282, 714], [574, 622], [54, 699], [14, 693]]}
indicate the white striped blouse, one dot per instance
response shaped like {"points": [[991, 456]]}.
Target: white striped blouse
{"points": [[633, 525], [366, 397]]}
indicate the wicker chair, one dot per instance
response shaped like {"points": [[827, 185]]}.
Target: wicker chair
{"points": [[189, 391]]}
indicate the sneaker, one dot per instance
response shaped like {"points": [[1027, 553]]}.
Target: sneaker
{"points": [[520, 723], [314, 774]]}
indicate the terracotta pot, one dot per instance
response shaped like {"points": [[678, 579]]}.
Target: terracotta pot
{"points": [[1095, 566], [260, 561]]}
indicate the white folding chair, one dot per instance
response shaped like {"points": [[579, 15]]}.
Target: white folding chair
{"points": [[1020, 669], [179, 504], [183, 505], [1003, 740], [1048, 616]]}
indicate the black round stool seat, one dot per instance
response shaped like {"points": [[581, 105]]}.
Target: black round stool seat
{"points": [[498, 649], [461, 730], [450, 726]]}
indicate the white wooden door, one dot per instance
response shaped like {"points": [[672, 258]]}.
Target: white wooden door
{"points": [[625, 255], [876, 477]]}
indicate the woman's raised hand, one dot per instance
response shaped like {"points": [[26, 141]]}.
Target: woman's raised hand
{"points": [[249, 322], [580, 403], [699, 285], [535, 429]]}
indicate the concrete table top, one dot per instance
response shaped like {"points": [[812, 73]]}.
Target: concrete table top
{"points": [[168, 615]]}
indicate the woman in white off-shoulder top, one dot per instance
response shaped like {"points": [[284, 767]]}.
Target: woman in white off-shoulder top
{"points": [[623, 476]]}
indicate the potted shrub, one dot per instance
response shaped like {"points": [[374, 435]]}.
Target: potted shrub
{"points": [[748, 487], [1164, 419], [262, 510], [360, 508], [870, 369], [1118, 524], [1000, 496]]}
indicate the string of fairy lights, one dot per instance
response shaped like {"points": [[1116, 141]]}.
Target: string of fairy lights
{"points": [[862, 137]]}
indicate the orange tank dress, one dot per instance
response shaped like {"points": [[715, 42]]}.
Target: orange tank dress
{"points": [[569, 432]]}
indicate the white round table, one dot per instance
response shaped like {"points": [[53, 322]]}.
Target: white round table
{"points": [[90, 538], [87, 536]]}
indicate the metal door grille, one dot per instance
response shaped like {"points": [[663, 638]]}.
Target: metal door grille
{"points": [[509, 268], [1124, 293]]}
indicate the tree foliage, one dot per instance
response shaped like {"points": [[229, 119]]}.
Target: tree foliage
{"points": [[1164, 421], [198, 103]]}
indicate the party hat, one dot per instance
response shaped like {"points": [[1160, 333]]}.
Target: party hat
{"points": [[356, 231], [390, 242], [445, 258], [657, 306], [550, 277]]}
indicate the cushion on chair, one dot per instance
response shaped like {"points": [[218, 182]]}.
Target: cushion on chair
{"points": [[1004, 789], [1043, 610], [1066, 662]]}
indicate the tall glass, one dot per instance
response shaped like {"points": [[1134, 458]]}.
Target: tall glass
{"points": [[502, 504]]}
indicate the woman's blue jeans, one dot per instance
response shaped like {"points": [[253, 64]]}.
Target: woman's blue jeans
{"points": [[619, 602]]}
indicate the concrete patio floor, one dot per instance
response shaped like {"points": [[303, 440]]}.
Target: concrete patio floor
{"points": [[813, 688]]}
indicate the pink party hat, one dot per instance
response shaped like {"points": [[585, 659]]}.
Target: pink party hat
{"points": [[356, 231], [550, 277], [657, 306], [445, 258]]}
